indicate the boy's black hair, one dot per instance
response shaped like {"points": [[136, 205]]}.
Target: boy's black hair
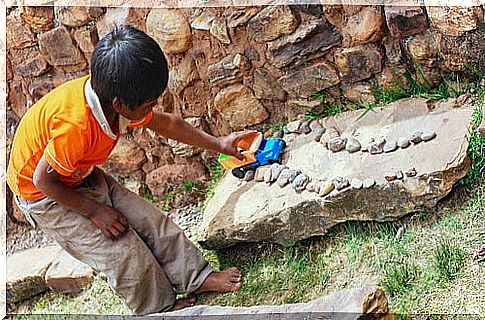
{"points": [[128, 64]]}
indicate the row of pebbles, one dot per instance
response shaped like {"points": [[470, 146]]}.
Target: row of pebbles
{"points": [[283, 176], [378, 145], [374, 146]]}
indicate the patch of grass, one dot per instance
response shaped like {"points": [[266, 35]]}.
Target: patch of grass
{"points": [[449, 258], [168, 201], [188, 185], [476, 144], [398, 278], [216, 172], [148, 194]]}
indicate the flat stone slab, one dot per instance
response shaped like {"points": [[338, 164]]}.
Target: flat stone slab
{"points": [[345, 304], [34, 271], [260, 212]]}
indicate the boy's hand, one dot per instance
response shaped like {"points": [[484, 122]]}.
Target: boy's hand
{"points": [[110, 221], [228, 144]]}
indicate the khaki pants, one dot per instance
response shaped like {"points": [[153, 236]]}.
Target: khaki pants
{"points": [[147, 267]]}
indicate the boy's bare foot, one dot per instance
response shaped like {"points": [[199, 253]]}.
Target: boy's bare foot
{"points": [[223, 281], [183, 303]]}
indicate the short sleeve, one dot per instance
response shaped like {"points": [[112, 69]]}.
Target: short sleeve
{"points": [[65, 148], [146, 120]]}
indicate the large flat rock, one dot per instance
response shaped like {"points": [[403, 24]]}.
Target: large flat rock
{"points": [[260, 212], [36, 270], [346, 304]]}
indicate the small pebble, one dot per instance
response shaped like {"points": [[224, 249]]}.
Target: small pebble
{"points": [[369, 182], [283, 179], [337, 144], [294, 126], [249, 175], [391, 177], [311, 187], [293, 174], [278, 134], [318, 133], [326, 188], [356, 183], [300, 182], [268, 176], [352, 145], [259, 174], [377, 146], [399, 233], [403, 142], [340, 183], [416, 137], [411, 172], [315, 124], [399, 175], [305, 127], [390, 146], [285, 130], [276, 170], [428, 135]]}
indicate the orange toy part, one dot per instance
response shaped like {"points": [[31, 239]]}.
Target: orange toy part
{"points": [[249, 145]]}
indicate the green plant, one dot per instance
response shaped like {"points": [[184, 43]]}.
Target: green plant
{"points": [[216, 171], [147, 193], [476, 145], [188, 185], [449, 258], [398, 278]]}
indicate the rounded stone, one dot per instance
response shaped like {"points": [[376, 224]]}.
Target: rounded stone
{"points": [[356, 183], [390, 146], [278, 134], [403, 142], [249, 175], [326, 188], [315, 124], [305, 127], [337, 144], [300, 182], [368, 183], [340, 183], [428, 135], [416, 137], [318, 133], [294, 126], [352, 145], [411, 172]]}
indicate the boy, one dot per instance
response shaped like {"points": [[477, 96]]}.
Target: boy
{"points": [[53, 174]]}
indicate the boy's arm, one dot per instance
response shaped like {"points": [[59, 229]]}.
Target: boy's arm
{"points": [[109, 220], [174, 127]]}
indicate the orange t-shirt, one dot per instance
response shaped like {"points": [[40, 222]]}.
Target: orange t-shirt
{"points": [[62, 128]]}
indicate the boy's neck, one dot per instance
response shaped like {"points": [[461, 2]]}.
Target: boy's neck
{"points": [[111, 116]]}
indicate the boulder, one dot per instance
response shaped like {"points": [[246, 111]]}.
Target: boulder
{"points": [[241, 16], [311, 36], [305, 81], [117, 16], [239, 107], [126, 158], [358, 63], [453, 21], [228, 69], [256, 212], [219, 30], [52, 268], [183, 75], [364, 26], [170, 29], [38, 18], [163, 178], [266, 87], [60, 51], [405, 21], [86, 39], [424, 48], [34, 66], [76, 16], [460, 53], [271, 23], [354, 303], [18, 34]]}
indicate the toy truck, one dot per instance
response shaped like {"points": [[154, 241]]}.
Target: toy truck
{"points": [[257, 151]]}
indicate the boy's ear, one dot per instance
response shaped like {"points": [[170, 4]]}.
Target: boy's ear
{"points": [[116, 104]]}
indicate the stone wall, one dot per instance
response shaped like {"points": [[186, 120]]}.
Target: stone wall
{"points": [[239, 67]]}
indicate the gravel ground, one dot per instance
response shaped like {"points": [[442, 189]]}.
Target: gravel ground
{"points": [[21, 237]]}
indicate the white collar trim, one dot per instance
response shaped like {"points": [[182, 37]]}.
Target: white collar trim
{"points": [[95, 105]]}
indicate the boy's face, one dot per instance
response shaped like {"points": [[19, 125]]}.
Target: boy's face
{"points": [[139, 113]]}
